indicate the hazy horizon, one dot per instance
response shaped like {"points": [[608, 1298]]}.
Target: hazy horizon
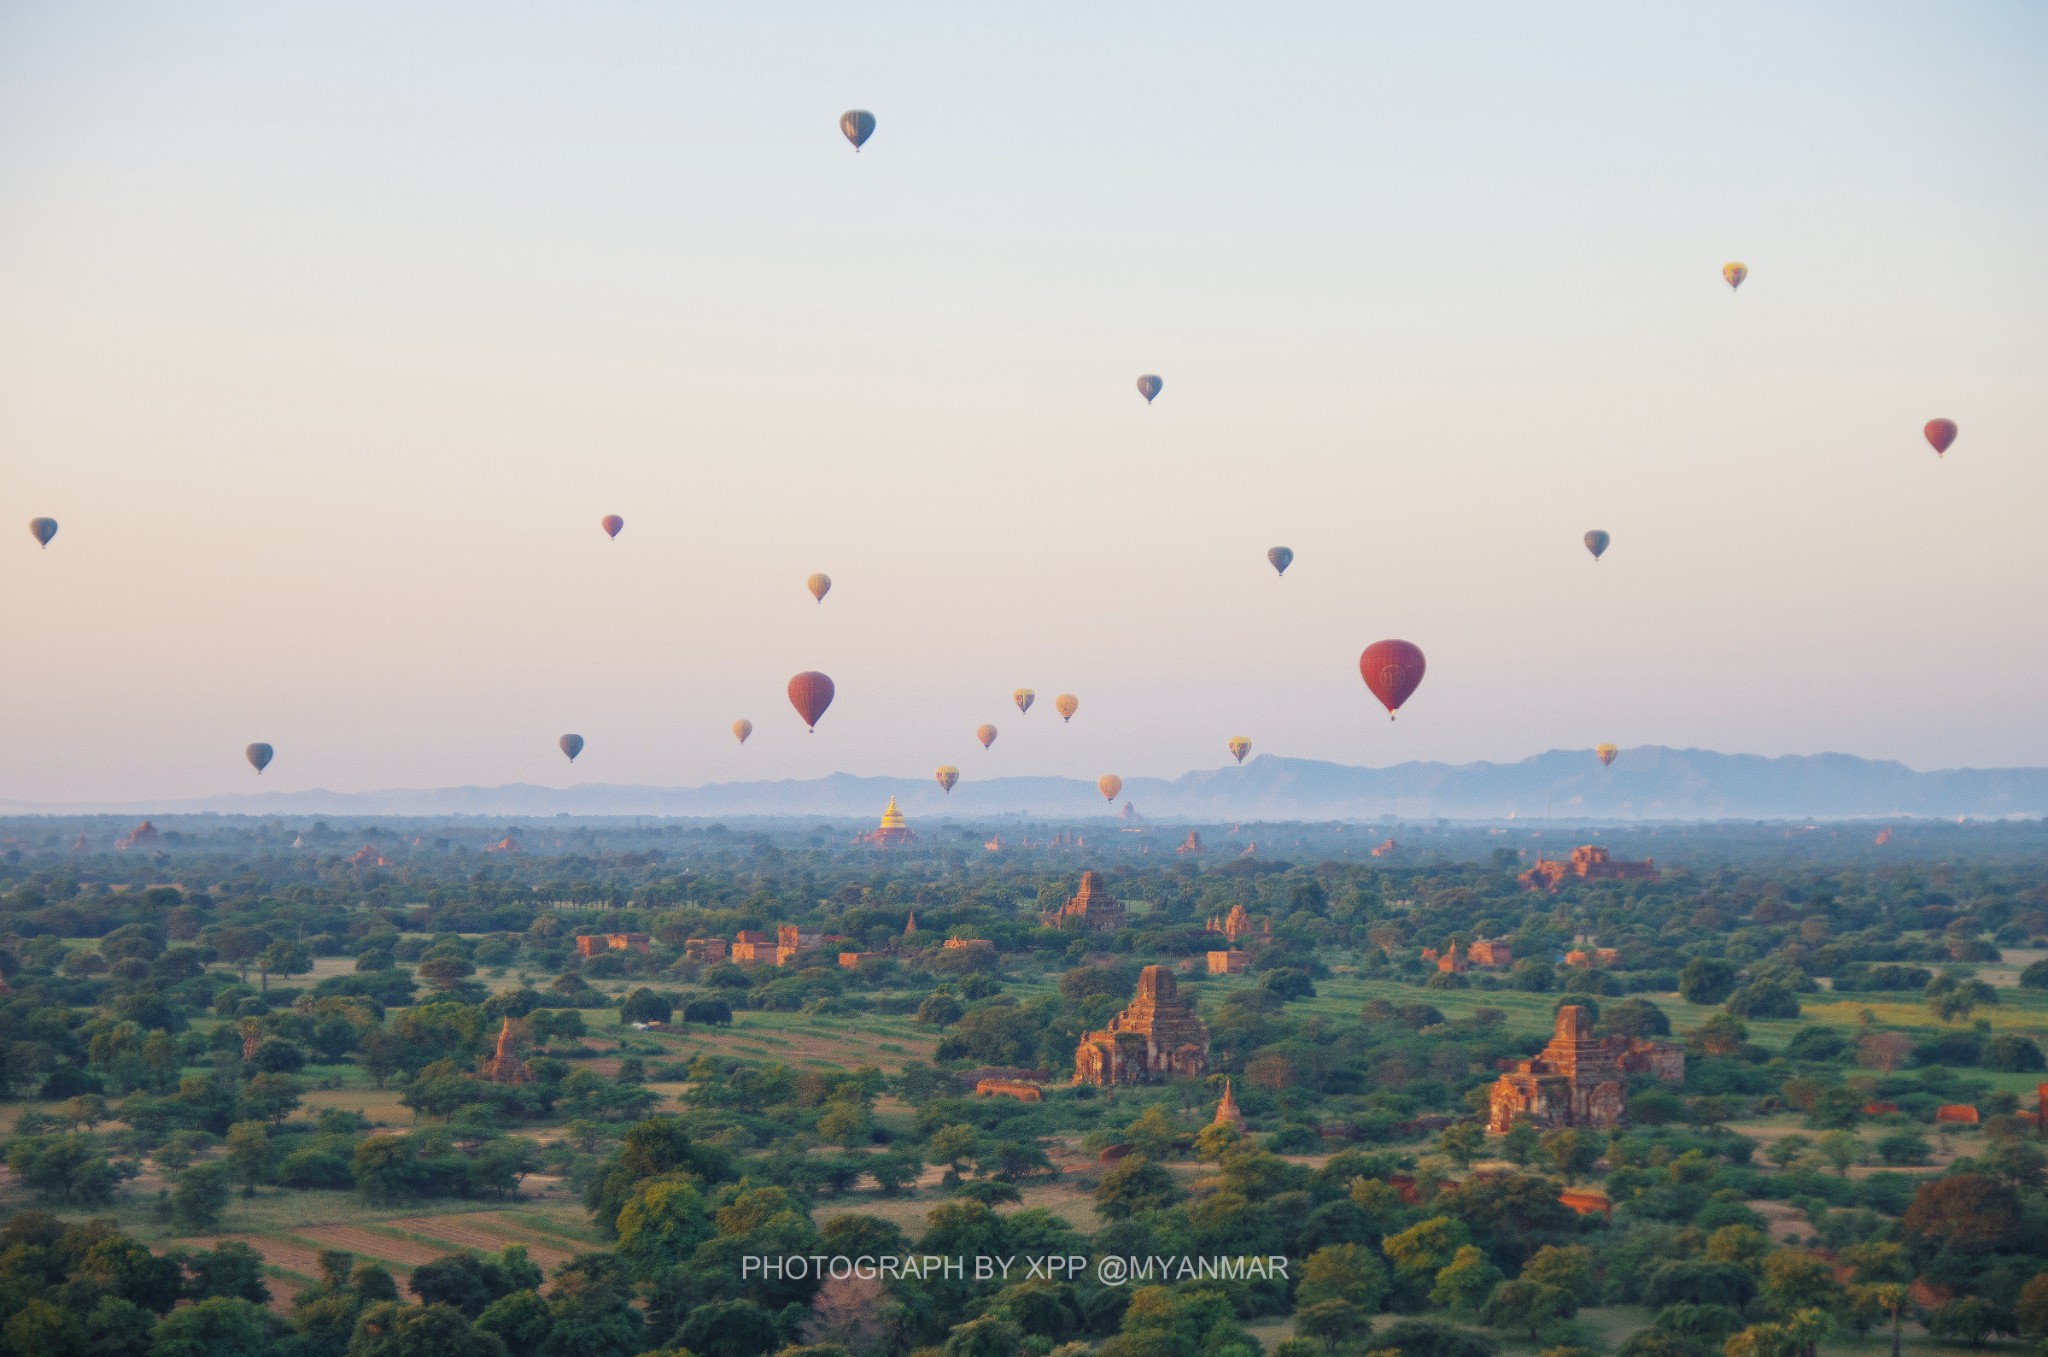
{"points": [[330, 336]]}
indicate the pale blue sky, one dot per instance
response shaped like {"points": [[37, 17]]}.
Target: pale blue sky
{"points": [[330, 334]]}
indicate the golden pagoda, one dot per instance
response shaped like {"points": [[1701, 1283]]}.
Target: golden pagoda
{"points": [[892, 831]]}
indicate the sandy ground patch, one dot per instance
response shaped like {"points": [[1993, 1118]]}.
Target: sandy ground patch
{"points": [[279, 1253], [487, 1234], [369, 1244]]}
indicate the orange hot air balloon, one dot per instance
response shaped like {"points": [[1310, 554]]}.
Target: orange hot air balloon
{"points": [[986, 734], [810, 693], [1109, 784], [947, 775], [819, 585], [1605, 753], [1734, 274], [1393, 670], [1239, 746], [1066, 704], [611, 523], [741, 729], [1023, 697], [1940, 433]]}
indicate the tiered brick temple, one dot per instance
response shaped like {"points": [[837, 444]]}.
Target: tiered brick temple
{"points": [[1237, 925], [1588, 862], [1092, 910], [1155, 1039], [596, 944], [1455, 961], [892, 831], [1579, 1079]]}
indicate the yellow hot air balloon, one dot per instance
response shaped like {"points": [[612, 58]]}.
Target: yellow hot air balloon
{"points": [[1605, 753], [1239, 747], [986, 734], [1734, 273], [741, 729], [1023, 697], [947, 776], [819, 585], [1109, 784], [1066, 704]]}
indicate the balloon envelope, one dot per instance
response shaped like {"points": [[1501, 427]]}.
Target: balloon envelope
{"points": [[1734, 273], [572, 745], [1605, 753], [1066, 704], [819, 585], [1109, 784], [858, 124], [947, 775], [741, 729], [1940, 433], [611, 523], [1393, 670], [259, 755], [1150, 386], [1281, 557], [1239, 746], [42, 529], [1023, 697], [810, 693], [986, 734], [1596, 542]]}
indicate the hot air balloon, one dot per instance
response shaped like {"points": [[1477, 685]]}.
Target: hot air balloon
{"points": [[810, 693], [819, 585], [1066, 704], [1150, 386], [1109, 784], [858, 124], [1281, 557], [947, 776], [572, 745], [1023, 697], [1393, 670], [1596, 542], [42, 529], [1734, 273], [986, 734], [259, 756], [1605, 753], [741, 729], [611, 523], [1239, 746], [1940, 432]]}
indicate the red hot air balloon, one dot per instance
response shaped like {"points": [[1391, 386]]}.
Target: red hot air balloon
{"points": [[1393, 670], [810, 693], [611, 523], [1940, 433]]}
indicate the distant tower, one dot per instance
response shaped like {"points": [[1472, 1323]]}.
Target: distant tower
{"points": [[505, 1067], [910, 924], [1227, 1113]]}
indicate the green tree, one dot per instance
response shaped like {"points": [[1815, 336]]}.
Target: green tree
{"points": [[198, 1196], [220, 1326], [389, 1330], [1346, 1272], [1528, 1306], [988, 1336], [1465, 1282], [444, 973], [1461, 1142], [730, 1328], [282, 957], [1970, 1319], [1334, 1323], [1841, 1149], [1885, 1302], [1571, 1152], [662, 1224], [1706, 982], [1133, 1186], [1568, 1267], [250, 1157]]}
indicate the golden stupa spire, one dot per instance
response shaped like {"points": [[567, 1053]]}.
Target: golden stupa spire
{"points": [[892, 818]]}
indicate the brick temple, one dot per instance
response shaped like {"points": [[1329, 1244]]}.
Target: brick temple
{"points": [[1092, 910], [1579, 1079], [1588, 862], [1157, 1038]]}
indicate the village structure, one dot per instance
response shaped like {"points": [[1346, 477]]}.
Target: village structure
{"points": [[1579, 1079], [505, 1066], [1158, 1037], [1092, 910], [597, 944], [1490, 954], [1227, 1113], [1237, 926], [1588, 862]]}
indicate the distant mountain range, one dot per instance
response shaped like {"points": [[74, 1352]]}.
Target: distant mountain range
{"points": [[1646, 783]]}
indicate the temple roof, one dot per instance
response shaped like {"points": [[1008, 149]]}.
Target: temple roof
{"points": [[892, 818]]}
